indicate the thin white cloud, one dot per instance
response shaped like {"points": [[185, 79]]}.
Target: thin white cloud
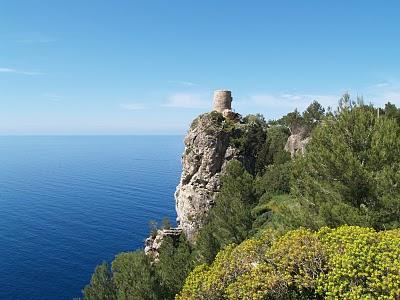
{"points": [[380, 85], [53, 97], [39, 40], [276, 104], [187, 100], [35, 38], [14, 71], [7, 70], [381, 93], [290, 101], [133, 106], [184, 83]]}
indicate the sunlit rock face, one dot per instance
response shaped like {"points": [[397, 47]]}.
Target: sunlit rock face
{"points": [[207, 150], [296, 144]]}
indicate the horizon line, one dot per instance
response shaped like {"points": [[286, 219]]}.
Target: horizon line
{"points": [[90, 134]]}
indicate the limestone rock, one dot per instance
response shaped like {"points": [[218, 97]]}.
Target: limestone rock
{"points": [[207, 150], [231, 115], [153, 243], [296, 144]]}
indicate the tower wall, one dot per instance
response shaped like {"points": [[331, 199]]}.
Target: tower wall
{"points": [[222, 100]]}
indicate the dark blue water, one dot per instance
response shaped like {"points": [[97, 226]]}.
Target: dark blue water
{"points": [[68, 203]]}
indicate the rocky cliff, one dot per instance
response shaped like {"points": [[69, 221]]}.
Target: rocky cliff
{"points": [[296, 144], [153, 242], [212, 141], [208, 148]]}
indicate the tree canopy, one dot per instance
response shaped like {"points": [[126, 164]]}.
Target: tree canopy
{"points": [[349, 174]]}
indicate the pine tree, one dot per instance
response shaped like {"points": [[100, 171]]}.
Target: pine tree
{"points": [[135, 277], [175, 263], [230, 220], [350, 171], [101, 286]]}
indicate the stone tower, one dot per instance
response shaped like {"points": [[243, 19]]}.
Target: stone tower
{"points": [[222, 100]]}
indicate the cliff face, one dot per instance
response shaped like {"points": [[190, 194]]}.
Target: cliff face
{"points": [[296, 144], [153, 243], [207, 150]]}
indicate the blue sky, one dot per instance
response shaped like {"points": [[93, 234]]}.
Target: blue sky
{"points": [[149, 67]]}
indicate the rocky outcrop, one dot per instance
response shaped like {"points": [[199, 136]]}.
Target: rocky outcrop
{"points": [[153, 243], [296, 144], [231, 115], [207, 150]]}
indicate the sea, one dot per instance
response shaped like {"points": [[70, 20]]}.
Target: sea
{"points": [[67, 203]]}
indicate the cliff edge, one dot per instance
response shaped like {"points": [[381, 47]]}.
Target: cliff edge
{"points": [[207, 149], [211, 142]]}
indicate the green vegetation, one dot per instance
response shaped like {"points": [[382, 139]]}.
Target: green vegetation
{"points": [[251, 246], [230, 221], [350, 172], [134, 276], [343, 263], [173, 258], [303, 123], [249, 136], [101, 284]]}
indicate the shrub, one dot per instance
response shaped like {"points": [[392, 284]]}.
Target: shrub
{"points": [[345, 263], [363, 264], [276, 180], [211, 282]]}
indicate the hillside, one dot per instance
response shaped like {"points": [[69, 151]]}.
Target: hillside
{"points": [[247, 187]]}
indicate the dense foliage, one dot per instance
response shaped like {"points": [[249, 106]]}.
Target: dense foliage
{"points": [[343, 263], [101, 284], [250, 246], [350, 173], [171, 259], [230, 221], [134, 276], [303, 123]]}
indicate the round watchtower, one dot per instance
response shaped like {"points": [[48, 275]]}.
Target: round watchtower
{"points": [[222, 100]]}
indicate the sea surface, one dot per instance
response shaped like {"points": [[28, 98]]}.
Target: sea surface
{"points": [[69, 202]]}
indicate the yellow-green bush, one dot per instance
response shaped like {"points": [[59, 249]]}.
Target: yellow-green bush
{"points": [[211, 282], [289, 269], [345, 263], [256, 285], [363, 264]]}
